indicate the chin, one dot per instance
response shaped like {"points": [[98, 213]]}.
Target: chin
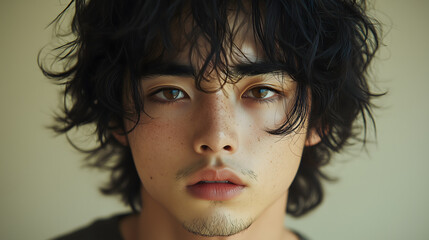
{"points": [[217, 225]]}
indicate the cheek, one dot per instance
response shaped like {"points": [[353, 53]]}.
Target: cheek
{"points": [[277, 162], [282, 153], [155, 147], [266, 116], [284, 162], [275, 155]]}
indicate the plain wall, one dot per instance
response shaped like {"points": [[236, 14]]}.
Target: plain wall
{"points": [[380, 195]]}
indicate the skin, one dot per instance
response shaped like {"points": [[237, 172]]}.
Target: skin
{"points": [[189, 130]]}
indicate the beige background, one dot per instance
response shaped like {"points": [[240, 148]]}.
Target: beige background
{"points": [[380, 195]]}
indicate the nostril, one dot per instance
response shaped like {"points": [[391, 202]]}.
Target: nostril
{"points": [[206, 148], [227, 148]]}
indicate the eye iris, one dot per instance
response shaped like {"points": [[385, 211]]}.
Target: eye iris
{"points": [[171, 94], [260, 92]]}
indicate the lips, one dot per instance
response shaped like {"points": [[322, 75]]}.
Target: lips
{"points": [[221, 175], [215, 185]]}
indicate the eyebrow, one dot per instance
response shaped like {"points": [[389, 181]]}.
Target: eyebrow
{"points": [[242, 69], [256, 68]]}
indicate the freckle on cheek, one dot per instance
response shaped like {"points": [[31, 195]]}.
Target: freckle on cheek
{"points": [[151, 177]]}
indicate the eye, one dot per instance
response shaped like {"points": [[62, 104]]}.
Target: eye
{"points": [[261, 93], [168, 95]]}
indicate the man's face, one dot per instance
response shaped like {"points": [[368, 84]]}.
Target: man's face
{"points": [[195, 141]]}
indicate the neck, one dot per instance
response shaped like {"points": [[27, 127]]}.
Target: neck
{"points": [[155, 223]]}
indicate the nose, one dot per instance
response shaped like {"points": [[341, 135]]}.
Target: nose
{"points": [[215, 126]]}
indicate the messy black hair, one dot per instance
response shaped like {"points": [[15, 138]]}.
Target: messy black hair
{"points": [[326, 46]]}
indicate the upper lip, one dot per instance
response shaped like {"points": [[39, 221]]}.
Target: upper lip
{"points": [[215, 175]]}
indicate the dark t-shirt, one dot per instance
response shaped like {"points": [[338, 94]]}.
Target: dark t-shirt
{"points": [[107, 229]]}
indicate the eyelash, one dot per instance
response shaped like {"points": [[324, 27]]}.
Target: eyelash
{"points": [[277, 93], [157, 100]]}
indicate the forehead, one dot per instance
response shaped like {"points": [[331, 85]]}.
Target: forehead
{"points": [[215, 46], [215, 42]]}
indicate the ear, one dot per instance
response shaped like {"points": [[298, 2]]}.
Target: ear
{"points": [[313, 138], [120, 136]]}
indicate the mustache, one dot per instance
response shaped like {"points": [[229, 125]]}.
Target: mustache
{"points": [[216, 163]]}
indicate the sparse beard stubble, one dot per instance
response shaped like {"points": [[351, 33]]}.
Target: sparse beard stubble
{"points": [[216, 226]]}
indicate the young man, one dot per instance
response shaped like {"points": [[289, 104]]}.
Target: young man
{"points": [[214, 117]]}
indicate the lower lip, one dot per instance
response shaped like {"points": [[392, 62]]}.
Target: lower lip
{"points": [[215, 191]]}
